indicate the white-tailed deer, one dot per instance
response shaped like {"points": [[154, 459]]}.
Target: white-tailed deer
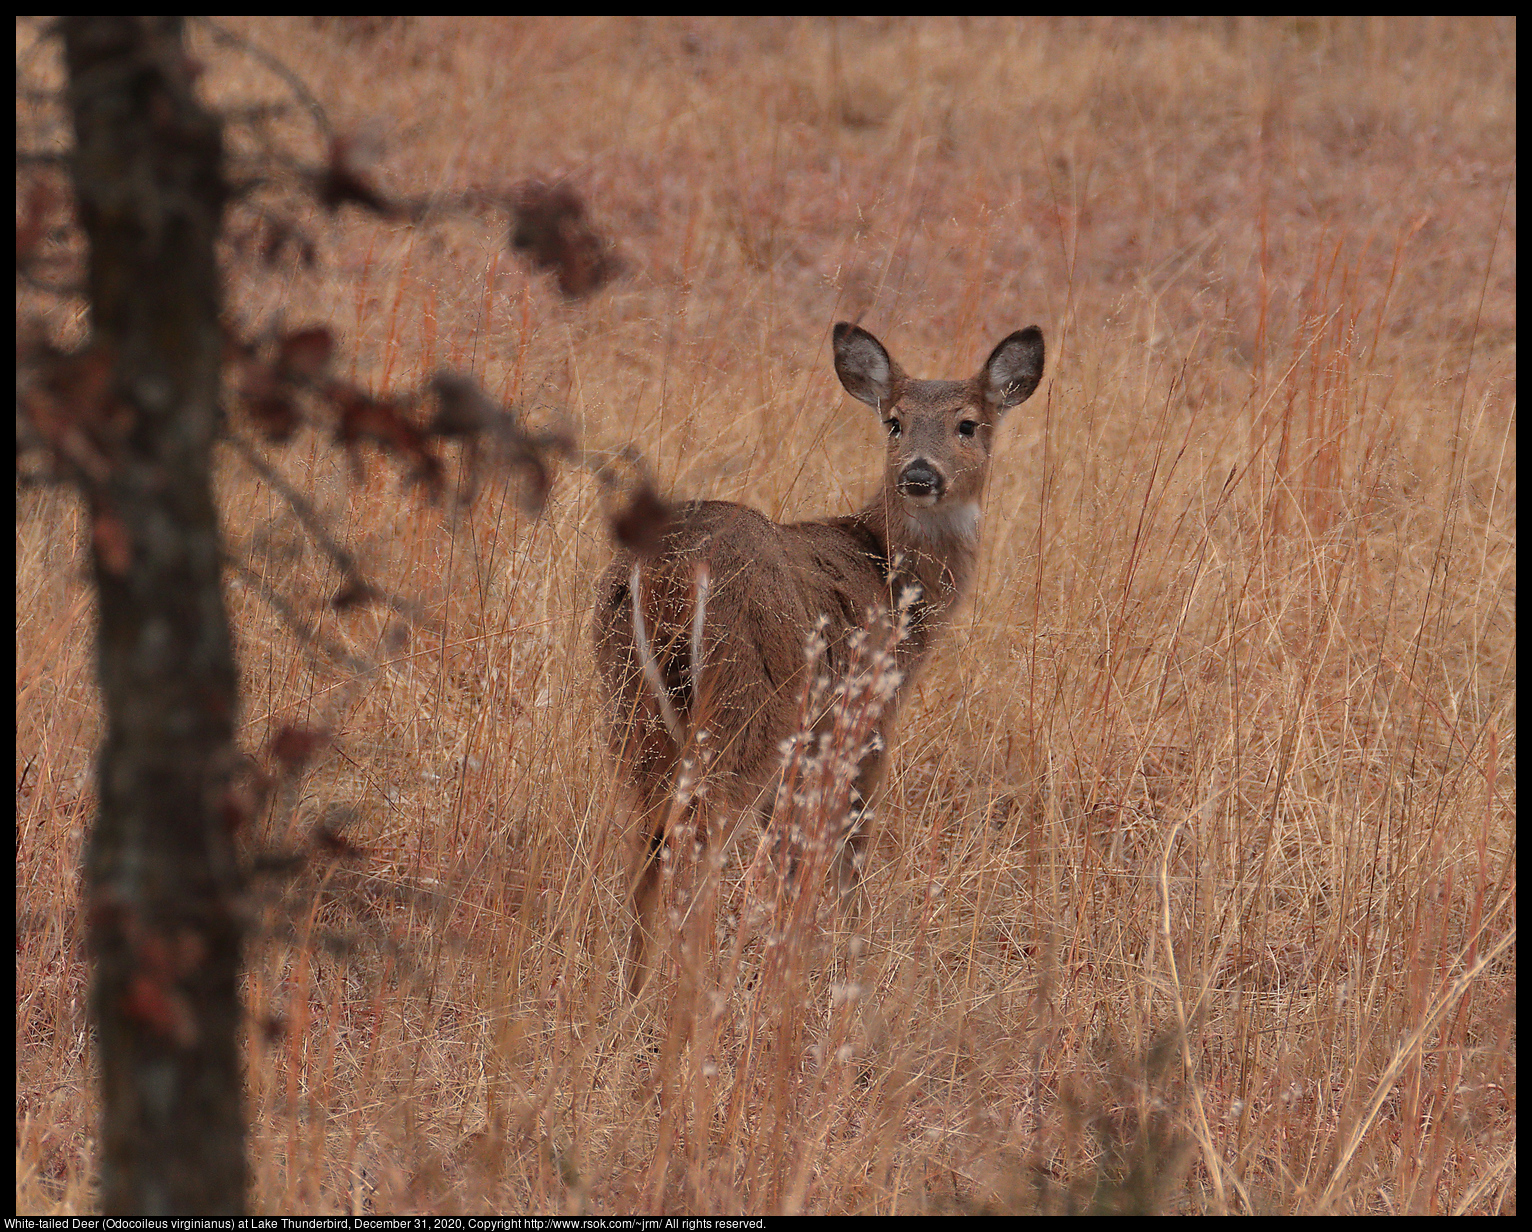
{"points": [[712, 629]]}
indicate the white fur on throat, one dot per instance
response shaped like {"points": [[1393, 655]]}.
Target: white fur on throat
{"points": [[948, 522]]}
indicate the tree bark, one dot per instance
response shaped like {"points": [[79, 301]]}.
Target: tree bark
{"points": [[161, 877]]}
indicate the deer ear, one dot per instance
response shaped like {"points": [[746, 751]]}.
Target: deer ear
{"points": [[863, 366], [1013, 369]]}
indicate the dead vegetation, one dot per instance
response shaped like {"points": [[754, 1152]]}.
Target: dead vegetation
{"points": [[1195, 886]]}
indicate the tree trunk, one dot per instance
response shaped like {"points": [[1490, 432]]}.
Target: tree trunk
{"points": [[161, 877]]}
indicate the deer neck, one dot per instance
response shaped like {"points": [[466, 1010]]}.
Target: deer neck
{"points": [[934, 548]]}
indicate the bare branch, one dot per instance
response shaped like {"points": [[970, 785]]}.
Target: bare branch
{"points": [[306, 633], [314, 523], [228, 38]]}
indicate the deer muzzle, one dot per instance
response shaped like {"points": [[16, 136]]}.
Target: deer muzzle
{"points": [[921, 482]]}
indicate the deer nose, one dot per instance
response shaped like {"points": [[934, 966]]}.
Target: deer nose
{"points": [[920, 478]]}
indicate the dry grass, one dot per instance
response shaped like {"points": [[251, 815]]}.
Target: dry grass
{"points": [[1195, 884]]}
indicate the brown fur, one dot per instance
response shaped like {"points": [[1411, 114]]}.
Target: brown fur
{"points": [[766, 587]]}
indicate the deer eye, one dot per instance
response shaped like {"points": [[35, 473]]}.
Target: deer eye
{"points": [[893, 426], [967, 428]]}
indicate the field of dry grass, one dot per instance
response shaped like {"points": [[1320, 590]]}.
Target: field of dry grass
{"points": [[1194, 887]]}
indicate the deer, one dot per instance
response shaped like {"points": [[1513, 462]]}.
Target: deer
{"points": [[709, 630]]}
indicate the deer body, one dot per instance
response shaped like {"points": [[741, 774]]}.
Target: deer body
{"points": [[713, 628]]}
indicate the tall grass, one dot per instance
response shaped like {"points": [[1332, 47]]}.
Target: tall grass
{"points": [[1194, 884]]}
